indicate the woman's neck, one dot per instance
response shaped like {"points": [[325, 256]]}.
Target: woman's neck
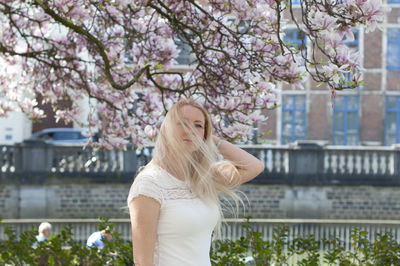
{"points": [[176, 172]]}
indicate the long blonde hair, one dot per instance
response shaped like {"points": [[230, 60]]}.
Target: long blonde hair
{"points": [[202, 169]]}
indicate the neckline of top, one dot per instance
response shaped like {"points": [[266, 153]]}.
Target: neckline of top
{"points": [[169, 174]]}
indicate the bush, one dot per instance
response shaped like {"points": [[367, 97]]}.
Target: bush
{"points": [[61, 249], [305, 250]]}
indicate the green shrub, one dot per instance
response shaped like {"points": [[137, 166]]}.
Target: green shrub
{"points": [[306, 250], [61, 249]]}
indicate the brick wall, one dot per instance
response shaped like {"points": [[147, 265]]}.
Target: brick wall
{"points": [[373, 49], [319, 122], [263, 201], [324, 202], [87, 200], [364, 202], [49, 121], [371, 117], [270, 125]]}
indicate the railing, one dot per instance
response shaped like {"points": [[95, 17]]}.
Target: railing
{"points": [[231, 228], [299, 161], [319, 228], [361, 160], [309, 162], [61, 159], [7, 159]]}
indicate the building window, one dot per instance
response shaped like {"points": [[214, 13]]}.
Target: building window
{"points": [[243, 27], [8, 136], [185, 56], [293, 118], [392, 120], [353, 45], [295, 38], [127, 56], [345, 120], [393, 49]]}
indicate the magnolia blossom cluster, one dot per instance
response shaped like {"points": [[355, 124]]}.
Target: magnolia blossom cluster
{"points": [[333, 32], [119, 58]]}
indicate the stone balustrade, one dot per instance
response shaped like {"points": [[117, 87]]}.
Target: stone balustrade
{"points": [[299, 163], [303, 180]]}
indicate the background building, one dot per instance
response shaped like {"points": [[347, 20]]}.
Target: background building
{"points": [[14, 128], [369, 115]]}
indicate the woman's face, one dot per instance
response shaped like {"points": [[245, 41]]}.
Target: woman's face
{"points": [[195, 126]]}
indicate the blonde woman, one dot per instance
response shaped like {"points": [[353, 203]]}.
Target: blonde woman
{"points": [[173, 202]]}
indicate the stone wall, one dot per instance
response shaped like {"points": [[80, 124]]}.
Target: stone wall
{"points": [[91, 200], [63, 201], [324, 202]]}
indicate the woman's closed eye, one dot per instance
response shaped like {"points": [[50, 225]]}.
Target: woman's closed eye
{"points": [[198, 126]]}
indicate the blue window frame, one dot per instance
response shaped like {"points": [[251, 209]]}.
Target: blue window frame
{"points": [[295, 38], [393, 49], [392, 120], [127, 56], [244, 26], [294, 119], [393, 1], [355, 45], [345, 120]]}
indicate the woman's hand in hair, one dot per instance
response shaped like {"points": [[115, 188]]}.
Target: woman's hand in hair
{"points": [[247, 165]]}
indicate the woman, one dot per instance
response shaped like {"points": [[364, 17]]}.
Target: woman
{"points": [[173, 202]]}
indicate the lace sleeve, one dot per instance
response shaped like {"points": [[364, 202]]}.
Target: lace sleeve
{"points": [[146, 186]]}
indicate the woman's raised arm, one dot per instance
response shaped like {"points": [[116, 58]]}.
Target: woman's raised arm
{"points": [[247, 165]]}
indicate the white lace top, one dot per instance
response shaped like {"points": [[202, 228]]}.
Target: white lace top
{"points": [[186, 222]]}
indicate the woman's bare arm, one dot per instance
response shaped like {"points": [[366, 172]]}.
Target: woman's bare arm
{"points": [[247, 165], [144, 212]]}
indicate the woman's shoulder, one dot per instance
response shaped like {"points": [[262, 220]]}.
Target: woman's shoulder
{"points": [[151, 172], [148, 182], [156, 174]]}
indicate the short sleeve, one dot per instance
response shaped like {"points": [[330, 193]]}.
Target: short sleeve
{"points": [[146, 186]]}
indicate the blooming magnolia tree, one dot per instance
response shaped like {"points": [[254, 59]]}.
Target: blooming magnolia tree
{"points": [[119, 56]]}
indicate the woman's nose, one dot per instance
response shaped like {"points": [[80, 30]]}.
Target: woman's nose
{"points": [[189, 130]]}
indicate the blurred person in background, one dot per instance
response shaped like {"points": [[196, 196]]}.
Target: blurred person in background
{"points": [[96, 238], [44, 233]]}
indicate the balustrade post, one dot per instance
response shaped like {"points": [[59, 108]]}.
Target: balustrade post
{"points": [[17, 157], [130, 160], [396, 166], [36, 157], [306, 158]]}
